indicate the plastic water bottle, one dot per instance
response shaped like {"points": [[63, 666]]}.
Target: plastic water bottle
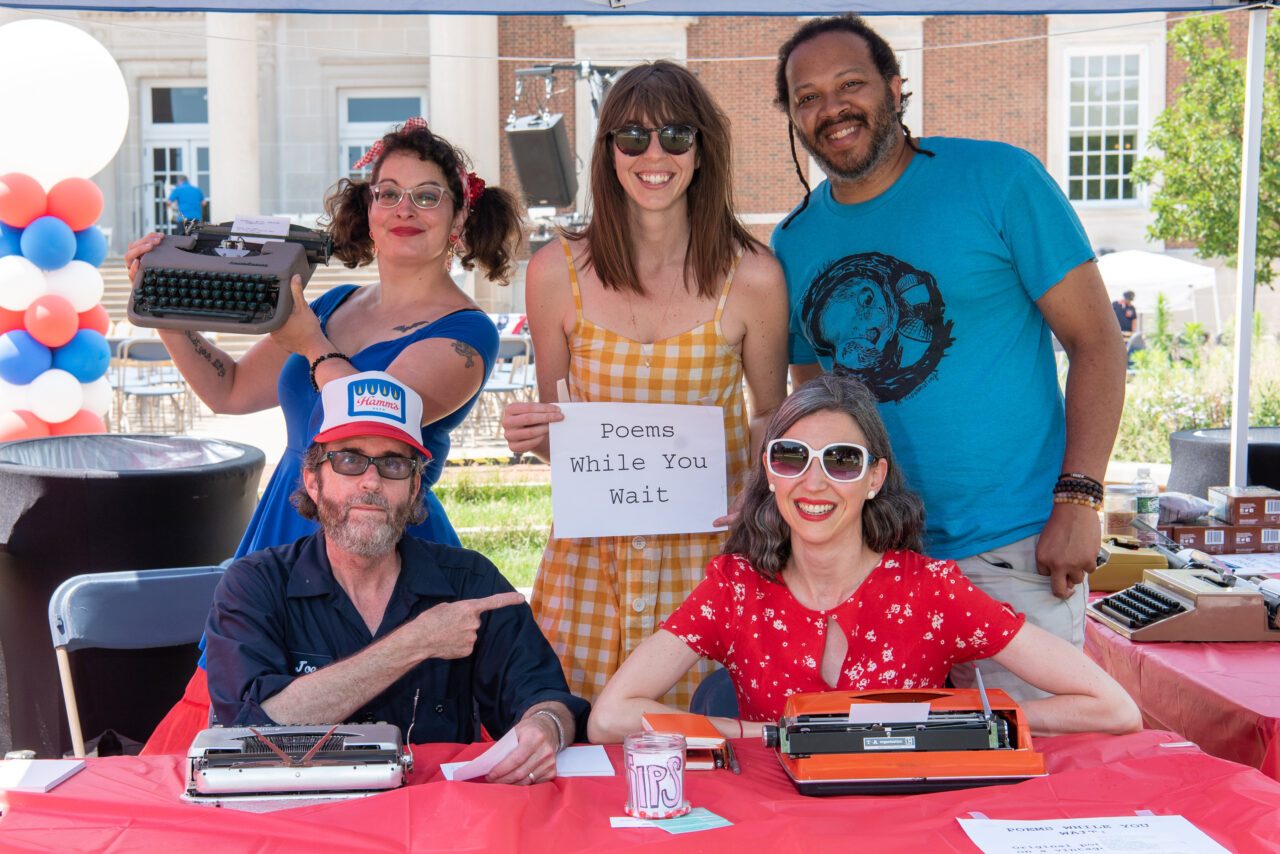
{"points": [[1148, 495]]}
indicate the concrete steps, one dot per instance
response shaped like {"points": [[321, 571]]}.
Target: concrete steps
{"points": [[115, 296]]}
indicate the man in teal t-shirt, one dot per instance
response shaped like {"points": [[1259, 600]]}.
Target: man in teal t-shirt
{"points": [[934, 271]]}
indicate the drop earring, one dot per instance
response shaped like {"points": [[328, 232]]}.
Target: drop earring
{"points": [[448, 256]]}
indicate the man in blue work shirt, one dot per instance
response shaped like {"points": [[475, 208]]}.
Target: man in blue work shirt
{"points": [[361, 623], [186, 201]]}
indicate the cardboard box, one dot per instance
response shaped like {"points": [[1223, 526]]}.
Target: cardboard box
{"points": [[1249, 539], [1207, 535], [1245, 505]]}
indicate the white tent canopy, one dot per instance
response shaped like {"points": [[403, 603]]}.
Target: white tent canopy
{"points": [[1149, 275]]}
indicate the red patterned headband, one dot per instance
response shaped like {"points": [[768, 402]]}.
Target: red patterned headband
{"points": [[472, 184]]}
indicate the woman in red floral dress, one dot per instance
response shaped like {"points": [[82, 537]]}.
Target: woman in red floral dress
{"points": [[822, 587]]}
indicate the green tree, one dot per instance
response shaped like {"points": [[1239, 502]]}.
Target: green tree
{"points": [[1197, 142]]}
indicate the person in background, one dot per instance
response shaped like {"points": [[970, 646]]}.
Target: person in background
{"points": [[419, 210], [934, 270], [361, 622], [822, 587], [1126, 313], [663, 298], [186, 202]]}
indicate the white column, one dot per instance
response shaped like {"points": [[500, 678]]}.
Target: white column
{"points": [[463, 106], [234, 165]]}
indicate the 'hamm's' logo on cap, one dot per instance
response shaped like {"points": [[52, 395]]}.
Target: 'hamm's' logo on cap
{"points": [[376, 397]]}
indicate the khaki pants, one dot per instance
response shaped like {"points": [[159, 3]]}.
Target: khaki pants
{"points": [[1008, 574]]}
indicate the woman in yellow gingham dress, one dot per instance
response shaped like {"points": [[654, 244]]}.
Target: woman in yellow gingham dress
{"points": [[663, 261]]}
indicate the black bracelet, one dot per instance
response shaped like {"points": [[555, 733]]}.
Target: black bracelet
{"points": [[319, 359], [1075, 475]]}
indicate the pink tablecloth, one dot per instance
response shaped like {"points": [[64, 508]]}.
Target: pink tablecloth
{"points": [[1223, 696], [131, 804]]}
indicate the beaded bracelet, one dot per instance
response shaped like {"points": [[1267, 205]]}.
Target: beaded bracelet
{"points": [[1075, 475], [343, 356], [1077, 486], [1077, 498]]}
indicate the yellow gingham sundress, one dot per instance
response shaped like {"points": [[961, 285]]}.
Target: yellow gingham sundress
{"points": [[596, 599]]}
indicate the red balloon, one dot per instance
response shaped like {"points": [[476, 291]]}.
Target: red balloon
{"points": [[95, 318], [83, 421], [11, 320], [21, 424], [22, 199], [51, 320], [75, 201]]}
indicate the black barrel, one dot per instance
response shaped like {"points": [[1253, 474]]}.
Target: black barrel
{"points": [[1202, 458], [77, 504]]}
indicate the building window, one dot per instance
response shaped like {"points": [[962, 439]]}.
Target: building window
{"points": [[1103, 126], [365, 116], [179, 105]]}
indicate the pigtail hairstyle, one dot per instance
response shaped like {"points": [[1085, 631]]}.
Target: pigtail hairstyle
{"points": [[490, 234], [894, 519]]}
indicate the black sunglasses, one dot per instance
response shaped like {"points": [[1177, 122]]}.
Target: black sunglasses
{"points": [[353, 464], [842, 461], [633, 140]]}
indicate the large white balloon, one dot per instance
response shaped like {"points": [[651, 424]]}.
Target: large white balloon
{"points": [[79, 282], [14, 396], [64, 105], [55, 396], [21, 282], [97, 396]]}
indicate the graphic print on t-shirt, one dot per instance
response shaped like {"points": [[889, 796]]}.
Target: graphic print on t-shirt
{"points": [[880, 319]]}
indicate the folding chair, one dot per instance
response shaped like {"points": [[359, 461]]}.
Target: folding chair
{"points": [[126, 610], [147, 382]]}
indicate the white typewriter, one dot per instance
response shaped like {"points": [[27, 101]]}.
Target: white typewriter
{"points": [[240, 766]]}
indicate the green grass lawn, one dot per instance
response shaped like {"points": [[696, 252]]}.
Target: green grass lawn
{"points": [[507, 522]]}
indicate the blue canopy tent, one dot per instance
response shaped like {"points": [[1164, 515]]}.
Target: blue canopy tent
{"points": [[1258, 15]]}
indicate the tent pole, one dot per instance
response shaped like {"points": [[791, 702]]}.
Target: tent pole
{"points": [[1255, 66]]}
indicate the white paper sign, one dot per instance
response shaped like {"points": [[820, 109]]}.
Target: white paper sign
{"points": [[1167, 834], [888, 713], [261, 228], [619, 469]]}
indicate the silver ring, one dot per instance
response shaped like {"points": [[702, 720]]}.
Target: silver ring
{"points": [[531, 779]]}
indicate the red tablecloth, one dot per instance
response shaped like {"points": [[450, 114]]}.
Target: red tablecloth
{"points": [[131, 804], [1223, 696]]}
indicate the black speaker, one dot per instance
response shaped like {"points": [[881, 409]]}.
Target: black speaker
{"points": [[544, 160]]}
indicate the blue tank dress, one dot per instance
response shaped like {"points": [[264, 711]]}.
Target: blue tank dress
{"points": [[275, 521]]}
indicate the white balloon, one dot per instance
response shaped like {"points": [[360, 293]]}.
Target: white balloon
{"points": [[12, 397], [95, 396], [54, 396], [21, 282], [64, 103], [79, 281]]}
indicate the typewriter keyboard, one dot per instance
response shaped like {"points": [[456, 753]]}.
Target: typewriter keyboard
{"points": [[1140, 605], [236, 297]]}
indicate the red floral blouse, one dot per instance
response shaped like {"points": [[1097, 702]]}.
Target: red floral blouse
{"points": [[907, 623]]}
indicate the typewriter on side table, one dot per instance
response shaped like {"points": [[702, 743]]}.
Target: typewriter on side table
{"points": [[214, 280], [241, 766], [970, 737], [1197, 599]]}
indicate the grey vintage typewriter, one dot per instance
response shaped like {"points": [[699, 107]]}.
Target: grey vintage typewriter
{"points": [[214, 280], [227, 765]]}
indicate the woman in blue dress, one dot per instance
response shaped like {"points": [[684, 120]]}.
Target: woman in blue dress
{"points": [[420, 209]]}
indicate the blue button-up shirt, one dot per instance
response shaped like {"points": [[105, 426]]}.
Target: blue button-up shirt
{"points": [[279, 614]]}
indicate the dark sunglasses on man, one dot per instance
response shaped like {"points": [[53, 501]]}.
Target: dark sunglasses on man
{"points": [[633, 140], [353, 464], [841, 461]]}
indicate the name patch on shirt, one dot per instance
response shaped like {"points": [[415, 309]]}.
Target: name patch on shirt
{"points": [[376, 397]]}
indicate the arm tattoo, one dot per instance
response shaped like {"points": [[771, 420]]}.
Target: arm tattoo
{"points": [[406, 327], [199, 344], [466, 351]]}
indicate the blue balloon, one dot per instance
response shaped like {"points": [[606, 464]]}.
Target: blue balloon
{"points": [[49, 243], [10, 240], [22, 358], [86, 356], [91, 246]]}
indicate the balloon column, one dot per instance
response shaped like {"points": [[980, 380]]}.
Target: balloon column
{"points": [[53, 347], [57, 131]]}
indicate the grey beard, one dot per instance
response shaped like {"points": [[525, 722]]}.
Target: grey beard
{"points": [[366, 540]]}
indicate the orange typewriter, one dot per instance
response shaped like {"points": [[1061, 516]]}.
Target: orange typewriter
{"points": [[834, 743]]}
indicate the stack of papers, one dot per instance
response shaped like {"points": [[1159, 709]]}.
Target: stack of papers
{"points": [[36, 775]]}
